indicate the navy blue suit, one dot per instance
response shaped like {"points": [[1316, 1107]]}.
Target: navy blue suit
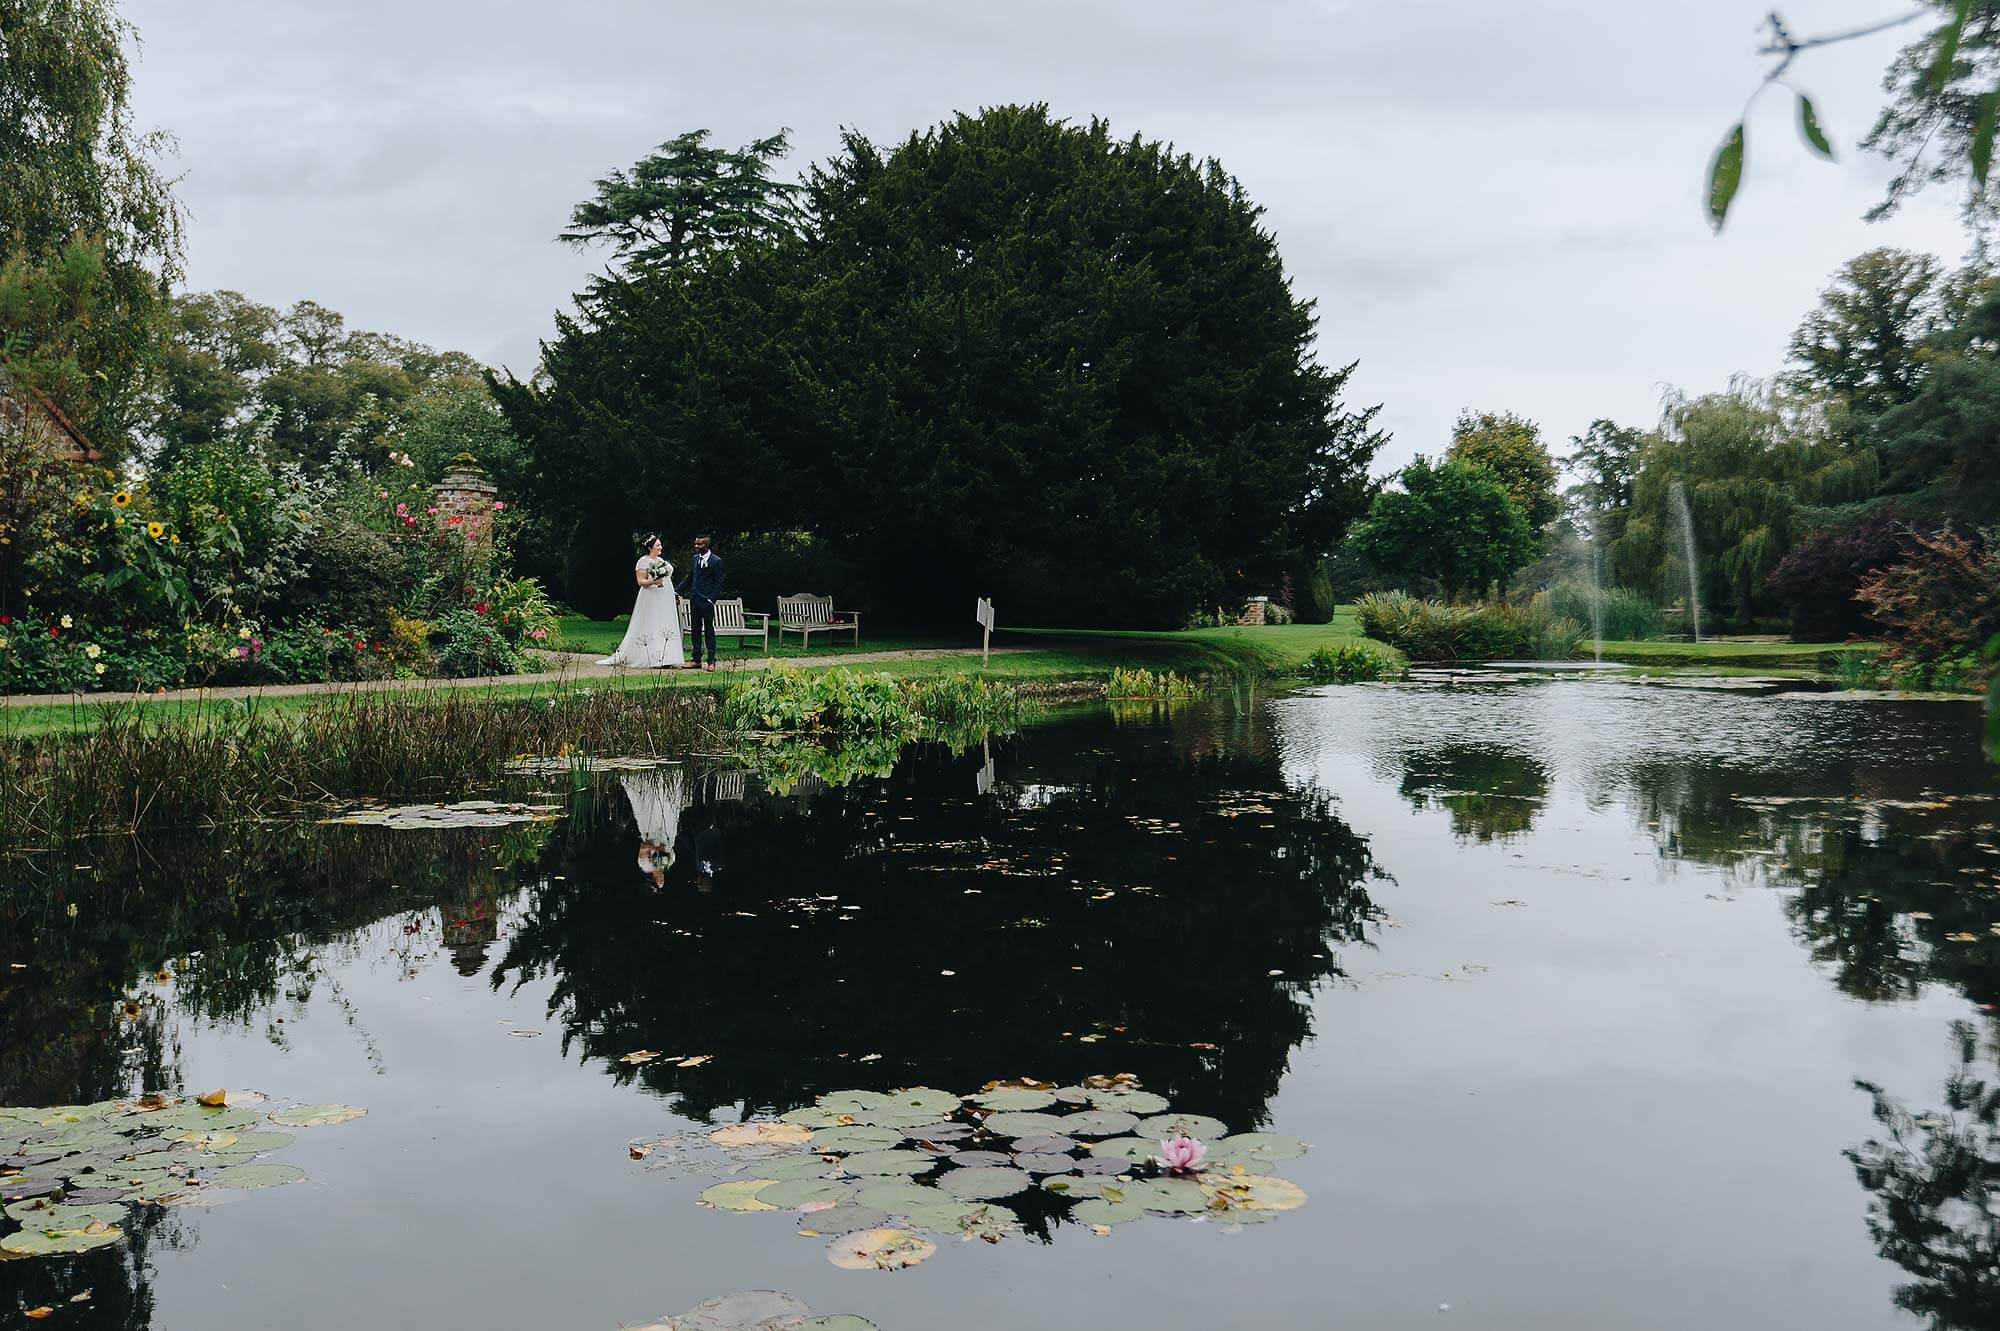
{"points": [[703, 588]]}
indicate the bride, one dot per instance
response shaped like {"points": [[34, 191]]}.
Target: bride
{"points": [[654, 636]]}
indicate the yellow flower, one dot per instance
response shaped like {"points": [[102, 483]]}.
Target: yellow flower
{"points": [[92, 650], [123, 498], [243, 633], [99, 667], [3, 644], [66, 622], [174, 539], [156, 530]]}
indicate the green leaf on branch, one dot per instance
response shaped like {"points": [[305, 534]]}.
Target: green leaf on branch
{"points": [[1725, 173], [1809, 126], [1982, 137], [1948, 38]]}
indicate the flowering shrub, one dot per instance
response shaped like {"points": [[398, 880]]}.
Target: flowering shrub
{"points": [[471, 645]]}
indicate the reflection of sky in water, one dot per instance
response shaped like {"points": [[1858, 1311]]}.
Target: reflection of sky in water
{"points": [[1574, 987]]}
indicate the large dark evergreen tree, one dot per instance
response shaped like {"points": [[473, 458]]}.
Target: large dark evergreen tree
{"points": [[1011, 357]]}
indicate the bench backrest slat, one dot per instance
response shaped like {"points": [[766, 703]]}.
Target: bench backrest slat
{"points": [[804, 611]]}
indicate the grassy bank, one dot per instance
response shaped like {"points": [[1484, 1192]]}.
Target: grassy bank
{"points": [[1756, 653]]}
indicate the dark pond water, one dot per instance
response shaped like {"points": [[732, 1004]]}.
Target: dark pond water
{"points": [[1578, 990]]}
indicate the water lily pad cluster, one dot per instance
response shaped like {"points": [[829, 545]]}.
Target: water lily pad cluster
{"points": [[883, 1174], [465, 813], [757, 1310], [68, 1173]]}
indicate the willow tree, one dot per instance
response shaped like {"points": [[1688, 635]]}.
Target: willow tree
{"points": [[1748, 468], [90, 237]]}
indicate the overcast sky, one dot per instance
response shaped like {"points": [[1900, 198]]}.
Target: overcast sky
{"points": [[1495, 205]]}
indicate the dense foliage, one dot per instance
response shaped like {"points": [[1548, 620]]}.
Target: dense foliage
{"points": [[1510, 447], [1009, 356], [1437, 631], [1451, 524]]}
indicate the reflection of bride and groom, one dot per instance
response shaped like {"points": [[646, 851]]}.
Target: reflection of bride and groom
{"points": [[659, 797], [653, 638]]}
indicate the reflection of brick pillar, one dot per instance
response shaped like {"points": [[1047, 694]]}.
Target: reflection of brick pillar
{"points": [[1253, 613], [465, 494]]}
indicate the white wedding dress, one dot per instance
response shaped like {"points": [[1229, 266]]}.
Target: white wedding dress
{"points": [[654, 636], [658, 795]]}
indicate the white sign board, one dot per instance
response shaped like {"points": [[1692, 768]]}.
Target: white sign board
{"points": [[982, 614]]}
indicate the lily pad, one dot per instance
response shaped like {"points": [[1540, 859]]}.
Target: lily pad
{"points": [[888, 1162], [1014, 1098], [879, 1250], [1107, 1210], [1072, 1095], [1174, 1195], [761, 1134], [894, 1116], [313, 1116], [1126, 1148], [38, 1243], [737, 1195], [1103, 1164], [939, 1132], [93, 1196], [1255, 1148], [795, 1166], [853, 1102], [982, 1160], [263, 1141], [813, 1116], [1201, 1127], [61, 1216], [857, 1137], [1130, 1102], [957, 1218], [1253, 1192], [14, 1189], [1045, 1143], [1077, 1187], [804, 1194], [1100, 1123], [1026, 1123], [255, 1176], [985, 1184], [739, 1312], [845, 1219], [1045, 1162], [935, 1103], [897, 1197]]}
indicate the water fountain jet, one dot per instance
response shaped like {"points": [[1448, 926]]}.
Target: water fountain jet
{"points": [[1684, 518]]}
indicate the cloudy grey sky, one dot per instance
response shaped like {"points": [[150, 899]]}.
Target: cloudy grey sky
{"points": [[1496, 203]]}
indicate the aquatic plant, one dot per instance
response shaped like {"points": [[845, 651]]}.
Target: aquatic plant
{"points": [[71, 1170], [130, 772], [1142, 685], [1493, 630], [879, 1170], [1347, 663], [848, 702]]}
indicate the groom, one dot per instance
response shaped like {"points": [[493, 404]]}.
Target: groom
{"points": [[703, 588]]}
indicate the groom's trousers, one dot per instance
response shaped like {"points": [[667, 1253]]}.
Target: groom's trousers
{"points": [[703, 613]]}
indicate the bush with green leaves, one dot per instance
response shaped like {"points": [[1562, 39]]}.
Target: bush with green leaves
{"points": [[1488, 631], [469, 644], [832, 701], [1627, 616], [1347, 663]]}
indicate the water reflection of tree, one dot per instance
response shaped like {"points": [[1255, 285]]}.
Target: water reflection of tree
{"points": [[117, 1279], [234, 926], [1935, 1210], [1175, 907], [1492, 792]]}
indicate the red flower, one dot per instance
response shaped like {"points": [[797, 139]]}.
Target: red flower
{"points": [[52, 631], [454, 519], [4, 619], [378, 646], [479, 607], [360, 646]]}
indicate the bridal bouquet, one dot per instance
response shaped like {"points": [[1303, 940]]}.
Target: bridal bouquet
{"points": [[660, 569]]}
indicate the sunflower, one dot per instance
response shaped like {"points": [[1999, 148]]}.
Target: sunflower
{"points": [[123, 498], [156, 530]]}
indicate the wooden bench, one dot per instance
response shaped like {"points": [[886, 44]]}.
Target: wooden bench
{"points": [[806, 615], [731, 621]]}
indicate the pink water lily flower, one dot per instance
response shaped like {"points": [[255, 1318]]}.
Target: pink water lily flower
{"points": [[1182, 1154]]}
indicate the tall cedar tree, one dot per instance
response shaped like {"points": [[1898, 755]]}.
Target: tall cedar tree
{"points": [[1011, 357]]}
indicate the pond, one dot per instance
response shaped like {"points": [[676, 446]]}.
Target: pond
{"points": [[1601, 1005]]}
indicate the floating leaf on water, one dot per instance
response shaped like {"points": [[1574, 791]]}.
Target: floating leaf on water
{"points": [[1015, 1098], [255, 1176], [813, 1116], [93, 1196], [466, 813], [1026, 1124], [833, 1322], [939, 1132], [981, 1159], [879, 1250], [893, 1116], [935, 1103], [959, 1218], [1100, 1123], [1104, 1210], [1045, 1144], [804, 1194], [888, 1162], [853, 1102], [739, 1312], [217, 1099], [761, 1134], [55, 1216], [1255, 1148], [1103, 1164], [847, 1218], [796, 1166], [1253, 1192], [14, 1189], [1076, 1186], [313, 1116], [1173, 1195], [736, 1195], [37, 1243], [1126, 1148], [1071, 1095], [1045, 1162], [1129, 1101], [895, 1198], [1201, 1127], [984, 1184], [856, 1137], [263, 1141], [639, 1056]]}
